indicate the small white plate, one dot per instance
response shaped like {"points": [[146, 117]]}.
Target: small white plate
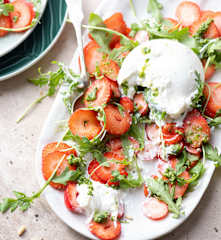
{"points": [[12, 40], [140, 228]]}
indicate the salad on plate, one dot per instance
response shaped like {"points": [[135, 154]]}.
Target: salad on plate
{"points": [[144, 121]]}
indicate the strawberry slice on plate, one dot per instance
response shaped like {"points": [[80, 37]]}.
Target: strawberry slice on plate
{"points": [[84, 123], [22, 15], [196, 129], [98, 93], [127, 104], [105, 231], [5, 22], [109, 68], [209, 72], [155, 209], [141, 104], [92, 172]]}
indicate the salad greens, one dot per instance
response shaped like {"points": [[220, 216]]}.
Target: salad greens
{"points": [[5, 9]]}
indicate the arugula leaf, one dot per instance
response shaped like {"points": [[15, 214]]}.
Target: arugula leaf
{"points": [[197, 100], [100, 217], [154, 7], [5, 9], [203, 28], [102, 38], [212, 154], [137, 131], [161, 190], [92, 95], [67, 175], [215, 122]]}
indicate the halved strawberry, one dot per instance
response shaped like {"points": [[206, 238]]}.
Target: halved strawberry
{"points": [[211, 69], [70, 198], [115, 89], [127, 104], [180, 190], [105, 173], [196, 129], [84, 123], [116, 22], [172, 134], [109, 68], [117, 123], [92, 172], [187, 13], [105, 231], [5, 22], [98, 93], [212, 31], [22, 15], [141, 104], [92, 56], [213, 92], [49, 163], [155, 209]]}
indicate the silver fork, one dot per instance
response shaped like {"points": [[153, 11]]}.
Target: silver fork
{"points": [[76, 16]]}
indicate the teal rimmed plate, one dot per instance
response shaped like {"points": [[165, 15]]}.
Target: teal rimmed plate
{"points": [[38, 43]]}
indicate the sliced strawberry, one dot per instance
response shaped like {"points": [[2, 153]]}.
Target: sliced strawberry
{"points": [[172, 134], [141, 36], [145, 190], [22, 15], [116, 23], [5, 22], [211, 69], [127, 103], [194, 151], [213, 92], [207, 15], [115, 89], [217, 21], [155, 209], [57, 147], [162, 166], [180, 190], [105, 231], [187, 13], [49, 163], [92, 172], [84, 123], [196, 128], [109, 68], [153, 132], [105, 173], [92, 56], [141, 104], [117, 123], [70, 198], [98, 93], [212, 31]]}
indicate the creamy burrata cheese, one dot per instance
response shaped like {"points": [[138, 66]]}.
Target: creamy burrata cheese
{"points": [[168, 69], [104, 199]]}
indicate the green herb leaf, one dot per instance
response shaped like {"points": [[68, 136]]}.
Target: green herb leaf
{"points": [[101, 217], [160, 189], [212, 154], [197, 100], [92, 95], [137, 131], [154, 7], [5, 9], [203, 28], [215, 122]]}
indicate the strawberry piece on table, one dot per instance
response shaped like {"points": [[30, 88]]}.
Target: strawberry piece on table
{"points": [[49, 164], [105, 231], [155, 209], [5, 22], [213, 92], [98, 93], [172, 134], [92, 172], [141, 104], [70, 198], [22, 15], [116, 23], [109, 68], [92, 56], [84, 123], [104, 172], [196, 129], [211, 69], [212, 31], [187, 13], [127, 104], [57, 147], [117, 122], [115, 89]]}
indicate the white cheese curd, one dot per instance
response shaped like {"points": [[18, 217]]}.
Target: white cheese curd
{"points": [[104, 199], [166, 67]]}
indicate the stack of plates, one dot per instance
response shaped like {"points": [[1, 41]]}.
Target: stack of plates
{"points": [[22, 50]]}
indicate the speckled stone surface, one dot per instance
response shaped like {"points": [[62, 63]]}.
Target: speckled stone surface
{"points": [[17, 153]]}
